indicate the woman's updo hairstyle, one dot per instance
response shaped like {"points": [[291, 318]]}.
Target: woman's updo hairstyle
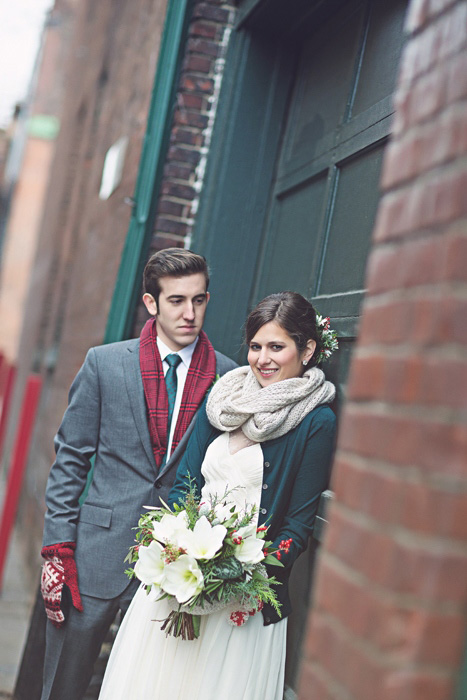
{"points": [[290, 311]]}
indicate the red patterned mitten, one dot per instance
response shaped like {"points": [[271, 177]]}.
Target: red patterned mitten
{"points": [[59, 581]]}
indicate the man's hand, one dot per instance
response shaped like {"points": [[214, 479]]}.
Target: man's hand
{"points": [[59, 581]]}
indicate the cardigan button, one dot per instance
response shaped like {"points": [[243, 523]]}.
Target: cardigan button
{"points": [[267, 464], [265, 486], [263, 511], [158, 484], [267, 620]]}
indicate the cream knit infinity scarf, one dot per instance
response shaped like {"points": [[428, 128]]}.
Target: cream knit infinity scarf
{"points": [[238, 399]]}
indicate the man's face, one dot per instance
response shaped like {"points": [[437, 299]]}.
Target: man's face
{"points": [[181, 309]]}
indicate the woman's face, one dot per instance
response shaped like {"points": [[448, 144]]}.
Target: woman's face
{"points": [[273, 355]]}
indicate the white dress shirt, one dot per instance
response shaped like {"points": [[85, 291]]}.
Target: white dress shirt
{"points": [[185, 354]]}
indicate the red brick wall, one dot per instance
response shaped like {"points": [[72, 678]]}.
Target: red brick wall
{"points": [[389, 612]]}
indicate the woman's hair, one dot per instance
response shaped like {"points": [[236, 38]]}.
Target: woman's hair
{"points": [[290, 311], [172, 262]]}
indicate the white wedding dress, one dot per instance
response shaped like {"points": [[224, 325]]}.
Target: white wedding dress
{"points": [[232, 663]]}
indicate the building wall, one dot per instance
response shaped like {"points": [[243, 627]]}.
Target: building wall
{"points": [[389, 609], [30, 158], [109, 79], [21, 239]]}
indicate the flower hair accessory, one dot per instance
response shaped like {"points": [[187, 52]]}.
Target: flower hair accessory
{"points": [[327, 336]]}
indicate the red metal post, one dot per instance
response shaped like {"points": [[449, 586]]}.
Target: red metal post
{"points": [[8, 382], [18, 464]]}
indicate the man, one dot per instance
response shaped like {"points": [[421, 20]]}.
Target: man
{"points": [[132, 406]]}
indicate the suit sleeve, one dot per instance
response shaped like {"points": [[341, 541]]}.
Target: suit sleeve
{"points": [[190, 464], [311, 480], [75, 444]]}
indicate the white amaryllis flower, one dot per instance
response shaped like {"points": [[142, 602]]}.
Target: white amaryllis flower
{"points": [[150, 565], [169, 528], [223, 512], [204, 541], [250, 549], [183, 578]]}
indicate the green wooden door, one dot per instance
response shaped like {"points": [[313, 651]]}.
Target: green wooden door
{"points": [[292, 186], [325, 192]]}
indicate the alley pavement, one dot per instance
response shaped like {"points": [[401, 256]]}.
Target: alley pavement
{"points": [[16, 602]]}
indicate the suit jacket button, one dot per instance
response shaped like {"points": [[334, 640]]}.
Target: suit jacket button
{"points": [[267, 464], [267, 620], [265, 486], [158, 484], [263, 511]]}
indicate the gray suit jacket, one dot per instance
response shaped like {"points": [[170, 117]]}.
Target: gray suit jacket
{"points": [[106, 417]]}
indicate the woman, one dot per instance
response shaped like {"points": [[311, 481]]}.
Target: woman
{"points": [[267, 436]]}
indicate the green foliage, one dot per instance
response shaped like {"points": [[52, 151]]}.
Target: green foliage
{"points": [[226, 579], [227, 569]]}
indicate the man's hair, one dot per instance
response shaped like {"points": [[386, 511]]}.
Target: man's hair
{"points": [[172, 262]]}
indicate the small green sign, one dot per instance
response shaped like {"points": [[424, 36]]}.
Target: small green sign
{"points": [[43, 126]]}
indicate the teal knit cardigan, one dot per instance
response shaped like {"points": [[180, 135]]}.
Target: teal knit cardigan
{"points": [[296, 472]]}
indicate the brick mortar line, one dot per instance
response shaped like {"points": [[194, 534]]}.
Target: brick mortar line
{"points": [[454, 230], [176, 200], [430, 119], [189, 127], [439, 230], [453, 352], [432, 25], [178, 181], [433, 17], [404, 537], [408, 352], [421, 130], [187, 146], [436, 292], [386, 660], [328, 680], [175, 218], [405, 601], [449, 417], [427, 177], [407, 84], [159, 233], [380, 408], [410, 476]]}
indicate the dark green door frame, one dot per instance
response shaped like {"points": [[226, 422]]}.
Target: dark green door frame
{"points": [[128, 284]]}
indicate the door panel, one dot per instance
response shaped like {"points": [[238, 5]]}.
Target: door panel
{"points": [[325, 192], [321, 92], [351, 223], [297, 216], [378, 70]]}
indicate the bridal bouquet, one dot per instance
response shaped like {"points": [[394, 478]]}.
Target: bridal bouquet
{"points": [[202, 557]]}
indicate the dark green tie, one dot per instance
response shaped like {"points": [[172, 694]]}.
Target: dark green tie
{"points": [[173, 361]]}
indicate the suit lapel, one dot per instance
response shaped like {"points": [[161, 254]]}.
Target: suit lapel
{"points": [[134, 387], [180, 449]]}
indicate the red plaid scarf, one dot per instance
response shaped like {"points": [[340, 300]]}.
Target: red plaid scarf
{"points": [[200, 377]]}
